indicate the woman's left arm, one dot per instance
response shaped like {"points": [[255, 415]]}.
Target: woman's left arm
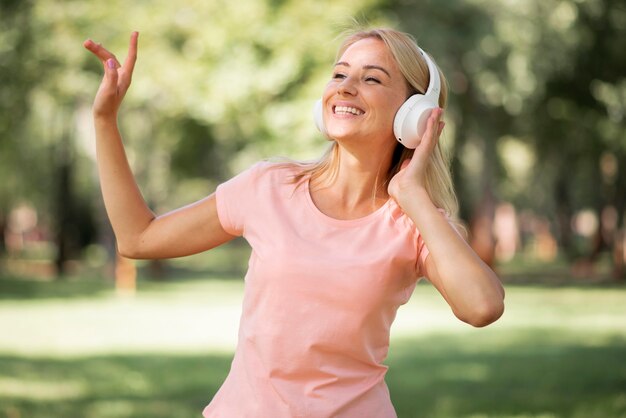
{"points": [[470, 287]]}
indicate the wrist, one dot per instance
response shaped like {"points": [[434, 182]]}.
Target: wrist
{"points": [[414, 198], [420, 208], [104, 119]]}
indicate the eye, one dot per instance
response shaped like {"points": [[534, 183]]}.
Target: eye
{"points": [[371, 79], [339, 76]]}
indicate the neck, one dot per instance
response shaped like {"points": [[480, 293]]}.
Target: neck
{"points": [[360, 179]]}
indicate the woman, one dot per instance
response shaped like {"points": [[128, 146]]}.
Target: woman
{"points": [[337, 245]]}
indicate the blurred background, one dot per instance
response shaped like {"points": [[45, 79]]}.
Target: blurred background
{"points": [[536, 132]]}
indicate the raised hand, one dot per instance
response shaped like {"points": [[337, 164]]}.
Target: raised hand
{"points": [[413, 173], [116, 80]]}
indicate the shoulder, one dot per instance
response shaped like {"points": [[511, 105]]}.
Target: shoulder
{"points": [[278, 172], [262, 169], [270, 165], [264, 176], [254, 193]]}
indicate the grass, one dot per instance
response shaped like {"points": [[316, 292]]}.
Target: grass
{"points": [[519, 374], [75, 349]]}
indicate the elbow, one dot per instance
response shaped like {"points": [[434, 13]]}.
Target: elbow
{"points": [[128, 250], [487, 314]]}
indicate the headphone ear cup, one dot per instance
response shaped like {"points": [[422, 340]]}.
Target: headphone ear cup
{"points": [[318, 116], [411, 119]]}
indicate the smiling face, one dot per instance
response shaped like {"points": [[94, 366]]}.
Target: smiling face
{"points": [[364, 94]]}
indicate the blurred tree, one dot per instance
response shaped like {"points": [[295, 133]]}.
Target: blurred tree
{"points": [[578, 120], [546, 73], [16, 78], [219, 85], [460, 35]]}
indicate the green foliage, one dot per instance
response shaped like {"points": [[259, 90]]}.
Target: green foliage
{"points": [[537, 93], [17, 77], [218, 85], [538, 103]]}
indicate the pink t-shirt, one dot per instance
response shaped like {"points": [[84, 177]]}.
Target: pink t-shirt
{"points": [[320, 297]]}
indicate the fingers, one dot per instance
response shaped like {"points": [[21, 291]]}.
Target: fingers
{"points": [[131, 58], [99, 51], [129, 63], [435, 122], [429, 139], [441, 125], [104, 55], [109, 83], [111, 65]]}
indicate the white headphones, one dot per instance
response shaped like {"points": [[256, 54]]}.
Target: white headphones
{"points": [[409, 123]]}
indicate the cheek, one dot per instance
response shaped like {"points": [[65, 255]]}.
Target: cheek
{"points": [[329, 91], [395, 102], [393, 105]]}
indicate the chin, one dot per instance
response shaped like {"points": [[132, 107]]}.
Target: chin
{"points": [[342, 133]]}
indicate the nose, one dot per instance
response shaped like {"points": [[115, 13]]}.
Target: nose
{"points": [[347, 87]]}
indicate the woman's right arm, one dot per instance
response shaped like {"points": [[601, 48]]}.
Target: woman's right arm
{"points": [[139, 233]]}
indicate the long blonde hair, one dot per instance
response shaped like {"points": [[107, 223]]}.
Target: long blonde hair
{"points": [[414, 68]]}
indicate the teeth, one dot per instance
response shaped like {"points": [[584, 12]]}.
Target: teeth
{"points": [[350, 110]]}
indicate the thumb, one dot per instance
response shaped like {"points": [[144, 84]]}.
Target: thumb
{"points": [[110, 75]]}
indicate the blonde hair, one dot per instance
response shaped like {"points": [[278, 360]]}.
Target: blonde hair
{"points": [[414, 68]]}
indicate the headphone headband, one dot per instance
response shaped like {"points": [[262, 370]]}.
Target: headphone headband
{"points": [[434, 84]]}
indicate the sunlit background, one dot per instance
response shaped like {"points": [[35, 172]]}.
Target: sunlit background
{"points": [[535, 130]]}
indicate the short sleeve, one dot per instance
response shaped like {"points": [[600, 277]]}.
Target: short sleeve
{"points": [[235, 198], [422, 253]]}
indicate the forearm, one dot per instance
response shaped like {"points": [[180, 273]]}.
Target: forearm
{"points": [[125, 206], [470, 287]]}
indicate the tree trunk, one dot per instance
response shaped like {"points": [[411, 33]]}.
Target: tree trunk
{"points": [[63, 199], [63, 218], [481, 225], [619, 243], [3, 246], [564, 218]]}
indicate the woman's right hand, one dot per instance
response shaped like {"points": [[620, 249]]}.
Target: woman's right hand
{"points": [[116, 80]]}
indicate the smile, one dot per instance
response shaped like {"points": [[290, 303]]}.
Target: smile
{"points": [[346, 110]]}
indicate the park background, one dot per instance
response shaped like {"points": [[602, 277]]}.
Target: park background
{"points": [[535, 130]]}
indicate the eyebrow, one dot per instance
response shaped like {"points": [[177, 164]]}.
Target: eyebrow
{"points": [[367, 67]]}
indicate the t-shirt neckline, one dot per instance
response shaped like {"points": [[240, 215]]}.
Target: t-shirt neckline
{"points": [[346, 223]]}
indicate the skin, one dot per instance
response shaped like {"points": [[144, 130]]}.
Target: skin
{"points": [[366, 141], [366, 78], [139, 232]]}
